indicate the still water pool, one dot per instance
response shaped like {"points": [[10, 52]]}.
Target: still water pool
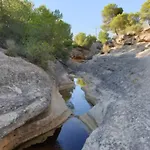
{"points": [[73, 133]]}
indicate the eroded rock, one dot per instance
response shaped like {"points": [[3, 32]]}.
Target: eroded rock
{"points": [[82, 53], [145, 35], [120, 86], [30, 103]]}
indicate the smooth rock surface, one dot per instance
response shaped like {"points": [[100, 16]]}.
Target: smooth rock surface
{"points": [[25, 92], [120, 82], [30, 103], [61, 76]]}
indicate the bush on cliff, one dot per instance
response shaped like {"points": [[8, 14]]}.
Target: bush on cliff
{"points": [[38, 33], [81, 39], [118, 22]]}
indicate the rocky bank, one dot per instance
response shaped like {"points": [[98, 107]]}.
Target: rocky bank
{"points": [[31, 107], [118, 85]]}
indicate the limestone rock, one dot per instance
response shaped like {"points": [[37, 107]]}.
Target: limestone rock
{"points": [[30, 104], [126, 39], [120, 85], [86, 53], [25, 92], [61, 76], [145, 35]]}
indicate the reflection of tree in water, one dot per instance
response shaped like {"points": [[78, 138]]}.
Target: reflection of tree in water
{"points": [[70, 105], [66, 94], [81, 82]]}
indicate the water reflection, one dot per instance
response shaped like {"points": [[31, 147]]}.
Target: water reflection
{"points": [[78, 100], [73, 133]]}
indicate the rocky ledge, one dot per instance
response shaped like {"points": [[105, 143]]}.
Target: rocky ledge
{"points": [[31, 108], [118, 85]]}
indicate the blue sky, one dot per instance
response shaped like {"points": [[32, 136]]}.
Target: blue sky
{"points": [[85, 15]]}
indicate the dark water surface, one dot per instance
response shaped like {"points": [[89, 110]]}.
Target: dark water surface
{"points": [[73, 133]]}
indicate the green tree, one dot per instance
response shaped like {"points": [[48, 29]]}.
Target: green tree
{"points": [[119, 23], [80, 38], [103, 36], [134, 18], [39, 33], [89, 40], [145, 11], [109, 12], [134, 23]]}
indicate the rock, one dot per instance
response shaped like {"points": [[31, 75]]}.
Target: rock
{"points": [[79, 53], [95, 49], [144, 53], [82, 53], [120, 83], [30, 104], [126, 39], [60, 73], [144, 36], [89, 121]]}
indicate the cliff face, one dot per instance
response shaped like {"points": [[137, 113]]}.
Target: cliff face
{"points": [[83, 53], [31, 107], [118, 85]]}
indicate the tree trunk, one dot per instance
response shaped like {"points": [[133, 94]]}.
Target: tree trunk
{"points": [[116, 32]]}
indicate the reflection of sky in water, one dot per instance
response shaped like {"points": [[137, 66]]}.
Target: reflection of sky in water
{"points": [[73, 133], [81, 105]]}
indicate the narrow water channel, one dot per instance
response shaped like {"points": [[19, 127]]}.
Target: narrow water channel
{"points": [[73, 133]]}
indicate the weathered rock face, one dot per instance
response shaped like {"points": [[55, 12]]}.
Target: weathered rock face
{"points": [[95, 48], [30, 104], [128, 39], [144, 36], [85, 53], [61, 75], [119, 82]]}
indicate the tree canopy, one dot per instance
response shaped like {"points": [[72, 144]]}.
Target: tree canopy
{"points": [[82, 39], [103, 36], [108, 13], [145, 11], [115, 21], [39, 34], [119, 23]]}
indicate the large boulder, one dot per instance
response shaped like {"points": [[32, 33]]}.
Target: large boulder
{"points": [[144, 35], [95, 48], [86, 53], [126, 39], [119, 84], [30, 104], [79, 53], [59, 71]]}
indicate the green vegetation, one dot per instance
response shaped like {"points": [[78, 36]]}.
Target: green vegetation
{"points": [[81, 82], [82, 39], [109, 12], [145, 11], [38, 34], [66, 94], [103, 36], [118, 22]]}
